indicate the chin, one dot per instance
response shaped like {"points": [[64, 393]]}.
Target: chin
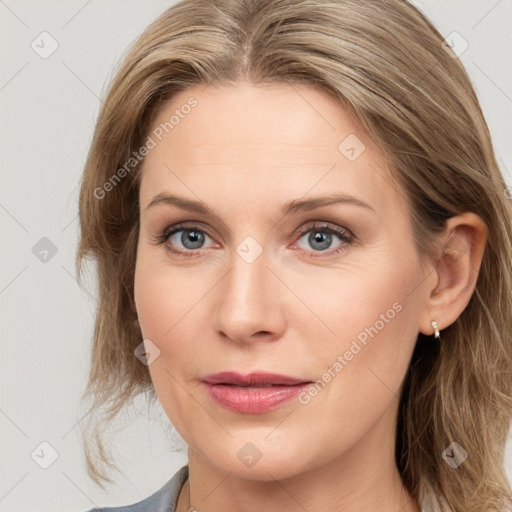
{"points": [[260, 460]]}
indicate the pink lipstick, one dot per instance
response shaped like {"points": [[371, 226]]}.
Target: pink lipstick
{"points": [[256, 392]]}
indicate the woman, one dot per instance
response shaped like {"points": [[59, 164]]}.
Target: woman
{"points": [[304, 252]]}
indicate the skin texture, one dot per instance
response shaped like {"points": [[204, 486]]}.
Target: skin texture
{"points": [[245, 151]]}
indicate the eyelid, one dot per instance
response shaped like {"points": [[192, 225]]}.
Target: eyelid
{"points": [[326, 225], [186, 225]]}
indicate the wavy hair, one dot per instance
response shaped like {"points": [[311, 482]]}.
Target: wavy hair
{"points": [[384, 61]]}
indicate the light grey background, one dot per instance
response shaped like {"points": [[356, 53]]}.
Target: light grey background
{"points": [[49, 107]]}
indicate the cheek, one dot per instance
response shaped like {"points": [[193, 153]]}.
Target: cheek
{"points": [[361, 297], [162, 312], [168, 306], [158, 295], [371, 314], [361, 368], [150, 300]]}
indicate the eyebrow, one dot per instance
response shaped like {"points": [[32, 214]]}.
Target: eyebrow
{"points": [[295, 206]]}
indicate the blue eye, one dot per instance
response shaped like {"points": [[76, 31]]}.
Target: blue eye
{"points": [[192, 239], [320, 238]]}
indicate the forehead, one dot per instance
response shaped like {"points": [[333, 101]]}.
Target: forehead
{"points": [[280, 117], [261, 142]]}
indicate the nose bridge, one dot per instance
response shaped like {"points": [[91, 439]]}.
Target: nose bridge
{"points": [[247, 304], [247, 283]]}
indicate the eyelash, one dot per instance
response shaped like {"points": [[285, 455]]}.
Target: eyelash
{"points": [[346, 237]]}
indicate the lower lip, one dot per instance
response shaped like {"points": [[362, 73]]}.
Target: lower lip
{"points": [[251, 399]]}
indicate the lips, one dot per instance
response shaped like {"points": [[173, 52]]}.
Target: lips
{"points": [[257, 392], [254, 379]]}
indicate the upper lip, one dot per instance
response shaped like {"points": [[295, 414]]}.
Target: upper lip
{"points": [[252, 379]]}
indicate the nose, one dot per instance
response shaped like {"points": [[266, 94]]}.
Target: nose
{"points": [[250, 305]]}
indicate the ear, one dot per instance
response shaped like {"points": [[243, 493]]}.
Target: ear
{"points": [[455, 272]]}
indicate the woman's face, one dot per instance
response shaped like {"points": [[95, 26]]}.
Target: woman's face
{"points": [[331, 294]]}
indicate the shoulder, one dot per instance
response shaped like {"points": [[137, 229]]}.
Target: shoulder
{"points": [[163, 500]]}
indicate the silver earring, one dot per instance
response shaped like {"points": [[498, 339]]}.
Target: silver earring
{"points": [[436, 330]]}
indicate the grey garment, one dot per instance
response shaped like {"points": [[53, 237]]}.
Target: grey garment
{"points": [[163, 500]]}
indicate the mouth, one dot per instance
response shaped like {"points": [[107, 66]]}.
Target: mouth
{"points": [[257, 392]]}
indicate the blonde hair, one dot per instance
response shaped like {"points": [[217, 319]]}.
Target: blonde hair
{"points": [[384, 62]]}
